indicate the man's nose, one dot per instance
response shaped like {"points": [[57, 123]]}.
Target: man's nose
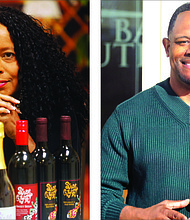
{"points": [[188, 50]]}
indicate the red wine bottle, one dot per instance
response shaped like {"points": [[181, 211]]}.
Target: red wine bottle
{"points": [[22, 173], [47, 191], [67, 174], [7, 193]]}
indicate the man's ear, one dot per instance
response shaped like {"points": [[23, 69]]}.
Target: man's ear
{"points": [[166, 43]]}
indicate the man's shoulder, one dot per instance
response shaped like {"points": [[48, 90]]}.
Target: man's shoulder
{"points": [[146, 97], [140, 99]]}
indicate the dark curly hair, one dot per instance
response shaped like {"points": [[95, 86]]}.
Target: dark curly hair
{"points": [[48, 80]]}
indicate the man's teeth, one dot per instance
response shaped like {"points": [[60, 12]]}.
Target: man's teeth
{"points": [[188, 64]]}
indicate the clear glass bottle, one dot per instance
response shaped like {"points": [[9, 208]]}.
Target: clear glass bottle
{"points": [[7, 194], [67, 174], [22, 173], [47, 191]]}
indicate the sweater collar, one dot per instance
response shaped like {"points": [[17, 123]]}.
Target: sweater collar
{"points": [[172, 101]]}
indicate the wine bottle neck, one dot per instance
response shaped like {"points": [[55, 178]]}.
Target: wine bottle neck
{"points": [[22, 148], [66, 143], [42, 145], [3, 172], [65, 130], [2, 158]]}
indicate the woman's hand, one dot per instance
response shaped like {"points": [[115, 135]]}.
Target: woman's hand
{"points": [[9, 114], [7, 104]]}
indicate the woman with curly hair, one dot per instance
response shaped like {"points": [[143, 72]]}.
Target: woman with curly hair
{"points": [[35, 72]]}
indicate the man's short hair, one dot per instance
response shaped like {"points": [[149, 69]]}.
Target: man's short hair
{"points": [[182, 8]]}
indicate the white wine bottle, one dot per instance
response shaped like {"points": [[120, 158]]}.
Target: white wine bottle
{"points": [[7, 194]]}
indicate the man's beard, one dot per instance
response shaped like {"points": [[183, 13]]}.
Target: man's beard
{"points": [[184, 79]]}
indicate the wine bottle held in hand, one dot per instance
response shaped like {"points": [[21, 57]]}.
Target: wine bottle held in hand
{"points": [[67, 174], [47, 192], [22, 173], [7, 194]]}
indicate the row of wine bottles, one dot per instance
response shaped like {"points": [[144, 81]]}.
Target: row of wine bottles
{"points": [[40, 185]]}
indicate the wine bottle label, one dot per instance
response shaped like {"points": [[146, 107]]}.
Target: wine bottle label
{"points": [[8, 212], [69, 199], [26, 201], [48, 196]]}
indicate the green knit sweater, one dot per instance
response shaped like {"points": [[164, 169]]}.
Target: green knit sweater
{"points": [[146, 149]]}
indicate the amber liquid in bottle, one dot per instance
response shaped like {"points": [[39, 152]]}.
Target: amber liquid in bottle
{"points": [[7, 194], [22, 173], [67, 174], [47, 192]]}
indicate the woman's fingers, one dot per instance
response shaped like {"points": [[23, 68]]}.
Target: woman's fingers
{"points": [[7, 104], [8, 110], [9, 99], [4, 110], [18, 111]]}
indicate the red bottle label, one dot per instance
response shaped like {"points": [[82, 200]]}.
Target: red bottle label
{"points": [[26, 201]]}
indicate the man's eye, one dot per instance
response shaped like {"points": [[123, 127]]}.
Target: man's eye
{"points": [[183, 43]]}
